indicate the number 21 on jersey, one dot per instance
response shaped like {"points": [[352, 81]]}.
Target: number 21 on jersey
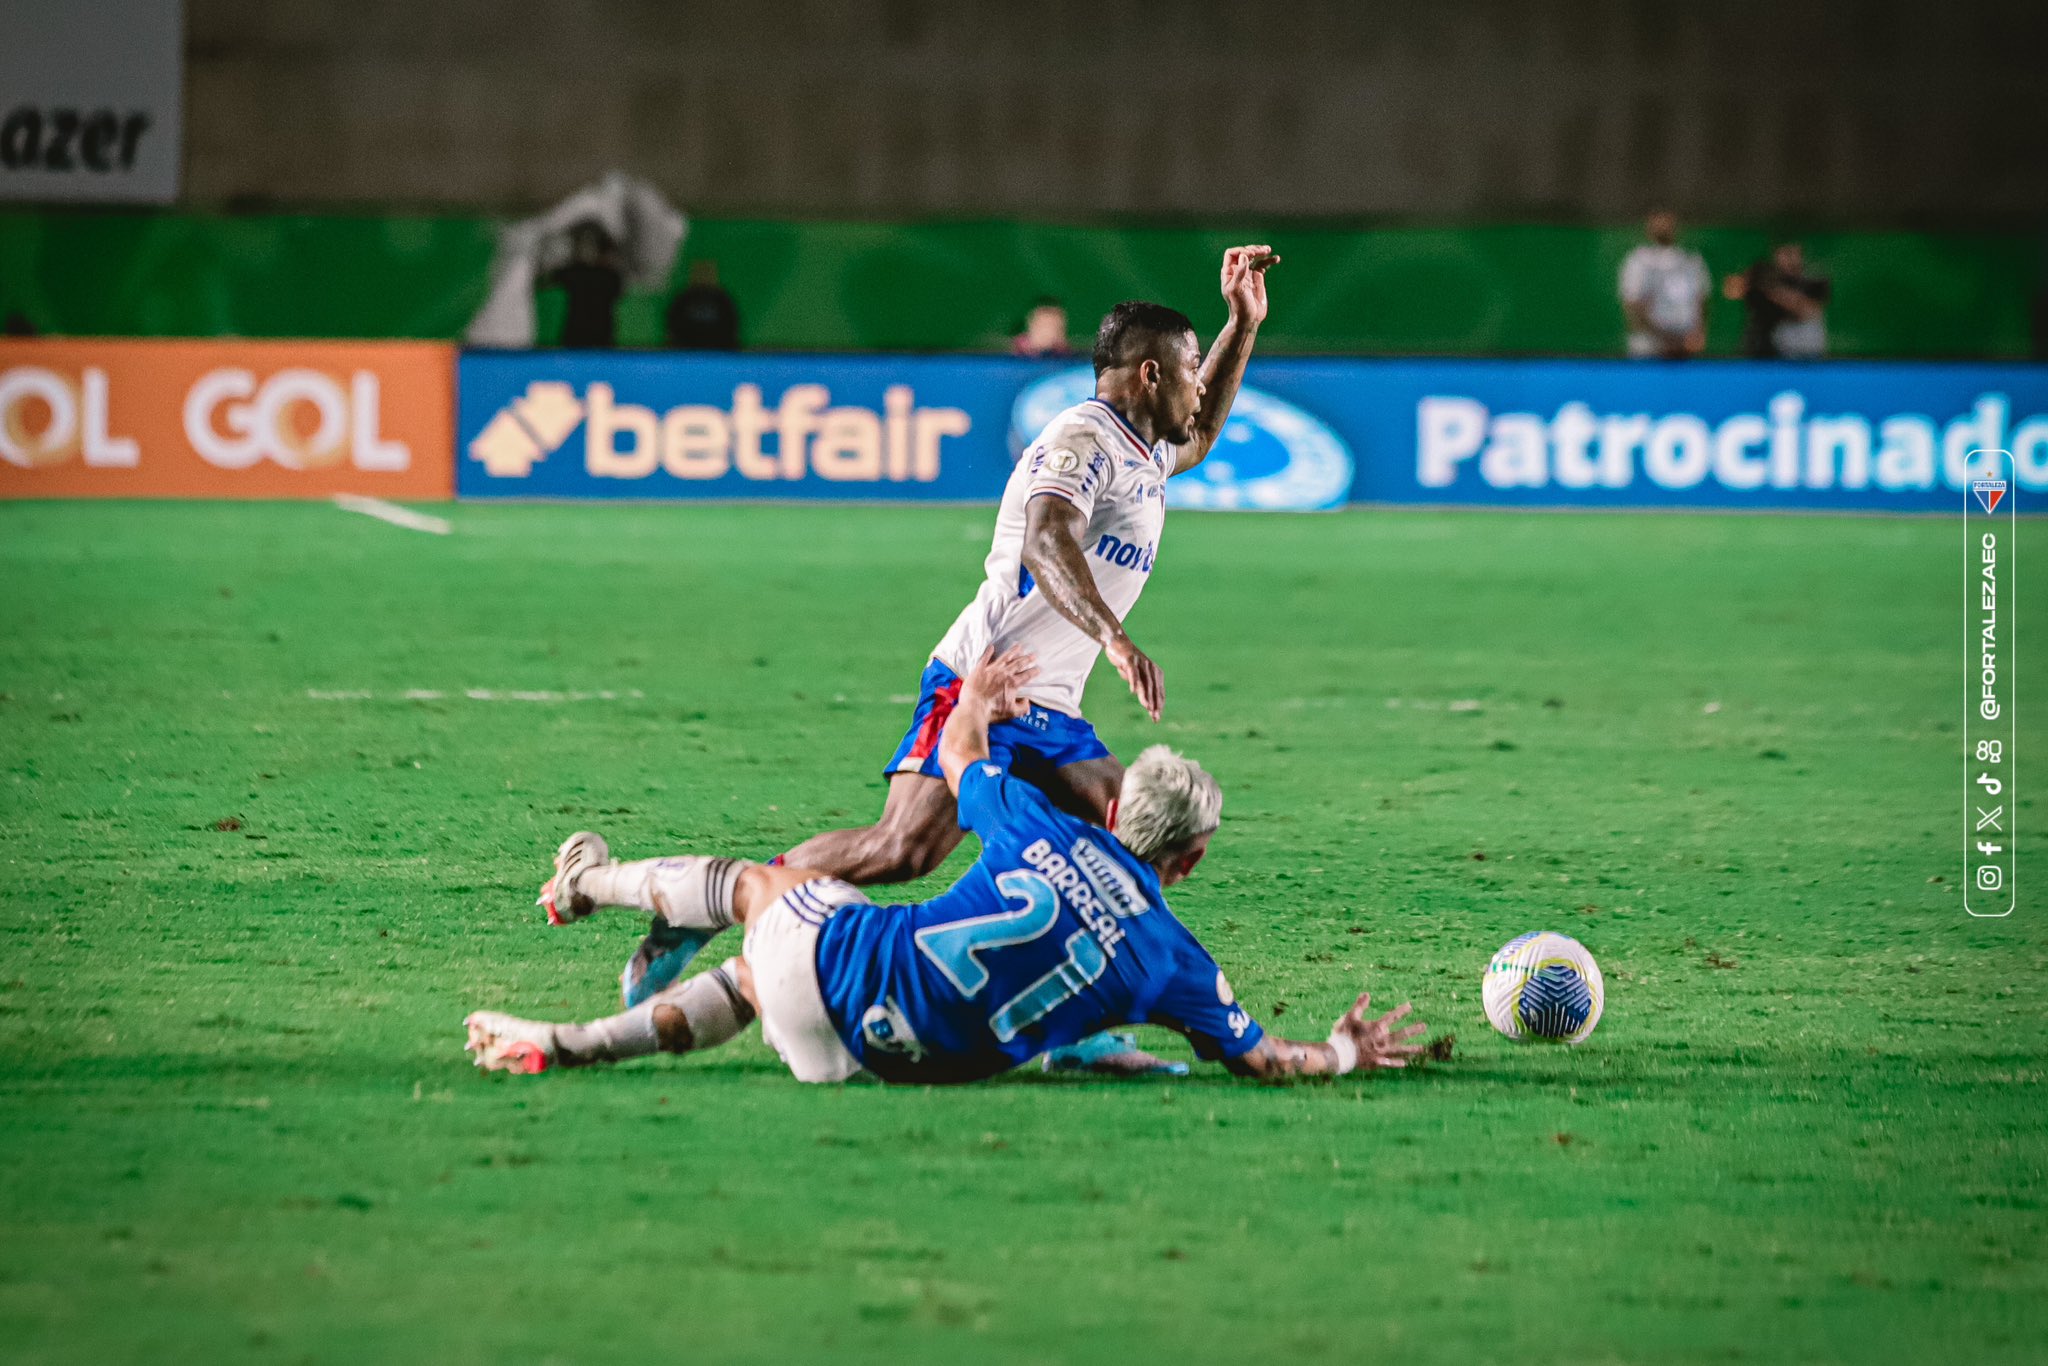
{"points": [[956, 948]]}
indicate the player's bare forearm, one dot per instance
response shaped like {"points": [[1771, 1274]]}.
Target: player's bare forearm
{"points": [[1052, 552], [1355, 1042], [1244, 289], [1222, 374], [964, 742], [1274, 1059]]}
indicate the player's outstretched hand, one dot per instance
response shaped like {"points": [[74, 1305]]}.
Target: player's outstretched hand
{"points": [[997, 682], [1147, 684], [1382, 1042], [1244, 281]]}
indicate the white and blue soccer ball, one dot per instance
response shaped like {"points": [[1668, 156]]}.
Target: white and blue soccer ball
{"points": [[1544, 986]]}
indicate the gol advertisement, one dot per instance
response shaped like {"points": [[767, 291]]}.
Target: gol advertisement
{"points": [[225, 419]]}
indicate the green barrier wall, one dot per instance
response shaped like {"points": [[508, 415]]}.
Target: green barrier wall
{"points": [[963, 286]]}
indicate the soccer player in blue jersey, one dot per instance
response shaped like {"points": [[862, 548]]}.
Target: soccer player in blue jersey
{"points": [[1059, 930]]}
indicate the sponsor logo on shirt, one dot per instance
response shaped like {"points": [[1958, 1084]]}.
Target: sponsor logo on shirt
{"points": [[1099, 906], [1125, 554], [886, 1028], [1108, 878]]}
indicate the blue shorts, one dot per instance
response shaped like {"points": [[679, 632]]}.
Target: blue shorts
{"points": [[1036, 741]]}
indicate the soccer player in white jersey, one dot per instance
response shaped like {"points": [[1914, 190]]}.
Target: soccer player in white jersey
{"points": [[1076, 539]]}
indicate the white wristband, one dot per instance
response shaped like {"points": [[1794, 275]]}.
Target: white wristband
{"points": [[1346, 1049]]}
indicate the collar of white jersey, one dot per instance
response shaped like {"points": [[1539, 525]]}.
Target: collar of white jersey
{"points": [[1128, 430]]}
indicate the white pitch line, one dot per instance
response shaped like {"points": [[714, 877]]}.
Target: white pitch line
{"points": [[473, 694], [393, 513]]}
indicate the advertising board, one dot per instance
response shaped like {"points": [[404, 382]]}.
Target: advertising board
{"points": [[92, 101], [225, 419], [1305, 434], [895, 429]]}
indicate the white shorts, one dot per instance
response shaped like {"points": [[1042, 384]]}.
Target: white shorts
{"points": [[782, 954]]}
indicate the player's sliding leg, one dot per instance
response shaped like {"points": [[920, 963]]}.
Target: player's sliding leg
{"points": [[690, 898], [687, 891], [704, 1012], [708, 1010], [917, 830]]}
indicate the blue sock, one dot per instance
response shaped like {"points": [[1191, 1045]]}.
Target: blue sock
{"points": [[659, 961]]}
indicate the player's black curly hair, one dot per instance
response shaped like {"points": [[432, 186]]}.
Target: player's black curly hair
{"points": [[1135, 330]]}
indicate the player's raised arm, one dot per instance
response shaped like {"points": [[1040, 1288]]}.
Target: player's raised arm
{"points": [[1244, 289], [1355, 1042], [1053, 528], [991, 692]]}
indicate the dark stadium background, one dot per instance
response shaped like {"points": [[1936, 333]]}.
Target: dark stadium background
{"points": [[932, 166]]}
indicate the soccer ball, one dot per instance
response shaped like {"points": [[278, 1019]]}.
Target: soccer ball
{"points": [[1543, 986]]}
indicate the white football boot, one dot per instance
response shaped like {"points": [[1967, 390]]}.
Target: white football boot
{"points": [[506, 1043], [558, 895], [659, 961]]}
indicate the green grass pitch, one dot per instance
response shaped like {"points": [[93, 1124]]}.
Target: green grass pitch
{"points": [[251, 887]]}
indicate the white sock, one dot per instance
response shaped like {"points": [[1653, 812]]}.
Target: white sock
{"points": [[689, 892], [711, 1004], [612, 1039], [712, 1007]]}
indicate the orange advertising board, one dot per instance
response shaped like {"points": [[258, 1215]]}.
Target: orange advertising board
{"points": [[117, 418]]}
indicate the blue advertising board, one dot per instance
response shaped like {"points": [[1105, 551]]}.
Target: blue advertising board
{"points": [[1713, 434], [882, 428], [620, 425], [1305, 434]]}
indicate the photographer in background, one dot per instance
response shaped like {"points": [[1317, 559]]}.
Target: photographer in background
{"points": [[1786, 306], [593, 281]]}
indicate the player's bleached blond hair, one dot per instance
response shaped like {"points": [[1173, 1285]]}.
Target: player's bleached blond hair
{"points": [[1168, 802]]}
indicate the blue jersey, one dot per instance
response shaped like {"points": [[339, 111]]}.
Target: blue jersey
{"points": [[1054, 934]]}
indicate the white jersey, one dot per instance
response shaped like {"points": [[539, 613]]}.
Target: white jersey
{"points": [[1670, 283], [1090, 457]]}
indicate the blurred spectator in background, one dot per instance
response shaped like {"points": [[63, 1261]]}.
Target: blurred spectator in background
{"points": [[17, 324], [1664, 291], [1045, 330], [593, 281], [1786, 306], [702, 316]]}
